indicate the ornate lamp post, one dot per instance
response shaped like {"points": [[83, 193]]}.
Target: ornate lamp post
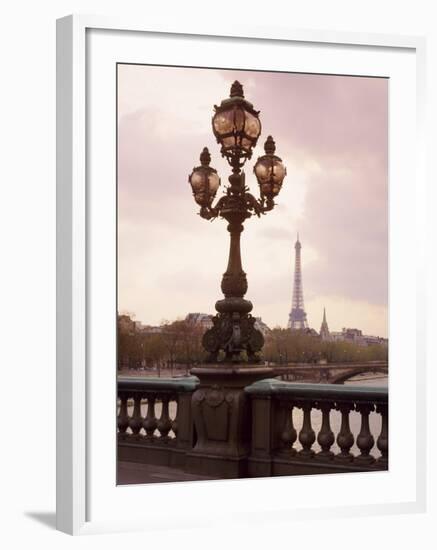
{"points": [[220, 407], [237, 127]]}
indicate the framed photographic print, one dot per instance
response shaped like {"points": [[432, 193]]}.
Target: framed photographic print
{"points": [[237, 227]]}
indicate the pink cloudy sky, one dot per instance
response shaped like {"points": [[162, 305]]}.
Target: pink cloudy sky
{"points": [[331, 132]]}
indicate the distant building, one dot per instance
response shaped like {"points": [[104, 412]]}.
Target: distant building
{"points": [[202, 319], [352, 335], [205, 321], [297, 318], [356, 336], [324, 330], [126, 325], [375, 340], [260, 325], [148, 329]]}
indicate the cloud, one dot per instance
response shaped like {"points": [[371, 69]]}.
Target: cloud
{"points": [[331, 132]]}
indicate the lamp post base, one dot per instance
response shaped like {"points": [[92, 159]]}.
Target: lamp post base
{"points": [[233, 333], [221, 414]]}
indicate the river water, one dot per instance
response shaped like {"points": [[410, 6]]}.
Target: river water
{"points": [[316, 416]]}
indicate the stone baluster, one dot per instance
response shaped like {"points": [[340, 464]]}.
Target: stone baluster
{"points": [[174, 424], [382, 441], [288, 434], [136, 421], [123, 417], [326, 436], [365, 440], [164, 423], [345, 438], [307, 435], [150, 423]]}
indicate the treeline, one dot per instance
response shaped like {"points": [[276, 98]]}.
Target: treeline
{"points": [[287, 346], [178, 345]]}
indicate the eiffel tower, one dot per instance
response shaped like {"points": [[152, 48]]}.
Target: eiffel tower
{"points": [[297, 319]]}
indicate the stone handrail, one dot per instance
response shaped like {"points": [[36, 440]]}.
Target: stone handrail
{"points": [[286, 428], [143, 436], [277, 447]]}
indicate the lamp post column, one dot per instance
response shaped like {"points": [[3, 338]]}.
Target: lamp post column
{"points": [[220, 407], [234, 281], [234, 337]]}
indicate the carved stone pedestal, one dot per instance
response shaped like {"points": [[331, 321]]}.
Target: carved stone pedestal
{"points": [[221, 414]]}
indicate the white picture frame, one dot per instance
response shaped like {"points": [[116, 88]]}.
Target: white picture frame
{"points": [[76, 366]]}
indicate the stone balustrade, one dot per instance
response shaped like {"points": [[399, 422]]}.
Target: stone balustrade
{"points": [[286, 429], [154, 419], [280, 447]]}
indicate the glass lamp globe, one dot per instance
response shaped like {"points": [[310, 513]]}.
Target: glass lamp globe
{"points": [[204, 180], [236, 125], [270, 171]]}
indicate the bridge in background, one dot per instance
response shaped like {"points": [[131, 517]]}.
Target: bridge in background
{"points": [[331, 373]]}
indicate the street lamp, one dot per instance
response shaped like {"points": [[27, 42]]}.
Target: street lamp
{"points": [[204, 181], [237, 127], [269, 171]]}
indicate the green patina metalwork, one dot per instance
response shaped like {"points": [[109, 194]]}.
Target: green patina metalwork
{"points": [[318, 392]]}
